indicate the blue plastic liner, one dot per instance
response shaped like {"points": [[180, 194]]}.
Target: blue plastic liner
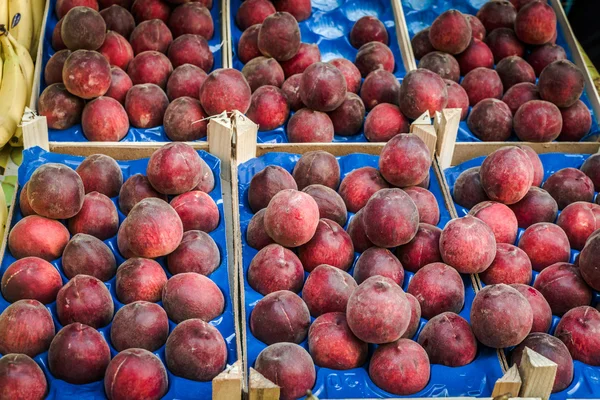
{"points": [[157, 134], [586, 379], [329, 27], [179, 388], [420, 14], [476, 379]]}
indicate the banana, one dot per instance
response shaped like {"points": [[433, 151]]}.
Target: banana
{"points": [[37, 9], [13, 92], [4, 13], [23, 31], [25, 61]]}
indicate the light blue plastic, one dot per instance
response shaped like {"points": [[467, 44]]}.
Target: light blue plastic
{"points": [[179, 388], [329, 27], [75, 133], [476, 379], [420, 14], [586, 379]]}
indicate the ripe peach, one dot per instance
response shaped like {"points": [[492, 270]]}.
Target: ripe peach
{"points": [[377, 261], [429, 212], [150, 67], [450, 32], [54, 67], [331, 205], [442, 64], [57, 42], [511, 265], [269, 108], [482, 83], [139, 325], [536, 206], [330, 245], [348, 118], [457, 97], [503, 42], [478, 54], [146, 105], [307, 125], [288, 366], [535, 23], [150, 35], [514, 70], [448, 340], [186, 80], [373, 56], [421, 44], [491, 120], [500, 218], [191, 49], [323, 87], [78, 354], [83, 28], [591, 167], [576, 330], [563, 287], [579, 220], [31, 278], [415, 317], [307, 55], [196, 350], [422, 90], [104, 120], [275, 268], [506, 175], [588, 261], [119, 85], [191, 18], [327, 289], [561, 83], [256, 236], [144, 10], [88, 255], [191, 295], [384, 122], [140, 279], [477, 28], [117, 50], [538, 121], [279, 36], [197, 210], [86, 74], [136, 374], [398, 154], [38, 237], [300, 9], [423, 249], [497, 14], [248, 43], [291, 88], [64, 6], [380, 86], [545, 244], [197, 252], [119, 20], [21, 378], [184, 120], [174, 169], [438, 288], [356, 230], [135, 189], [85, 299], [577, 122], [568, 186], [368, 29], [26, 326], [266, 184], [359, 185], [520, 94], [542, 314], [24, 205], [253, 12], [225, 90], [350, 72], [542, 56], [261, 71], [468, 245], [280, 316]]}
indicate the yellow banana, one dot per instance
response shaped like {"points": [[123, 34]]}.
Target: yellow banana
{"points": [[4, 13], [37, 10], [13, 92], [23, 31], [25, 61]]}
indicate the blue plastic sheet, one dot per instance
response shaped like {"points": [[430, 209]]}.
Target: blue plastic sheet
{"points": [[179, 388], [157, 134], [420, 14], [329, 27], [586, 379], [475, 379]]}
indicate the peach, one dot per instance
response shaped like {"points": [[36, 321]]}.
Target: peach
{"points": [[591, 167], [333, 345], [401, 367], [78, 354], [429, 212], [348, 118], [55, 191], [442, 64], [358, 186], [422, 250], [253, 12], [422, 90], [64, 6], [577, 122], [83, 28], [86, 300], [181, 120], [141, 325], [542, 314], [327, 289], [135, 189], [279, 36], [500, 316], [520, 3], [145, 10], [53, 69], [300, 9], [450, 32], [120, 84], [140, 279], [554, 350], [146, 105], [150, 35], [514, 70], [31, 278], [438, 288], [88, 255], [415, 317], [186, 80], [520, 94], [248, 44], [561, 83], [26, 326], [477, 28], [377, 261], [330, 245], [568, 186], [191, 49], [538, 121], [192, 18], [542, 56], [535, 23], [288, 366], [197, 210], [497, 14], [117, 50], [356, 230], [191, 295], [291, 88], [373, 56], [491, 120], [421, 44], [86, 74], [307, 55], [482, 83], [350, 72], [457, 98], [537, 206], [256, 236], [197, 253], [448, 340], [503, 42], [136, 374], [563, 287], [196, 350], [57, 42], [269, 108], [150, 67], [380, 86], [307, 125], [368, 29], [536, 162], [506, 175], [261, 71], [511, 265], [405, 160], [174, 169], [275, 268], [468, 245], [478, 54], [545, 244], [36, 236], [225, 90], [500, 218], [24, 205], [267, 183], [378, 311], [323, 87], [104, 120], [280, 316], [384, 122], [21, 378], [577, 330], [579, 220], [588, 261], [119, 20], [331, 205]]}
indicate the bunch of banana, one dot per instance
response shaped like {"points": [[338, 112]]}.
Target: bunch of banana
{"points": [[24, 20]]}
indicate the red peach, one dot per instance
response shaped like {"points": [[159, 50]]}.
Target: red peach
{"points": [[323, 87], [190, 295], [542, 314], [423, 249], [588, 261], [88, 255], [503, 42], [563, 287], [269, 108], [520, 94], [491, 120], [348, 118], [415, 317], [478, 54], [248, 44], [538, 121], [307, 55], [405, 160], [61, 108], [380, 86], [266, 184], [119, 85], [536, 206], [261, 71], [150, 67], [359, 185], [448, 340], [500, 218], [535, 23], [579, 220], [560, 83], [31, 278], [421, 91], [307, 125], [279, 36], [578, 329], [457, 98], [591, 167], [256, 236], [141, 325], [384, 122], [24, 205], [38, 237], [86, 74], [21, 378], [104, 120], [197, 252], [225, 90], [421, 44], [191, 49], [83, 28], [482, 83], [291, 88], [118, 19], [450, 32], [357, 233], [514, 70], [429, 212], [117, 50], [275, 268], [373, 56], [542, 56], [253, 12], [438, 288], [577, 121], [368, 29], [511, 265], [545, 244], [146, 105], [350, 72], [442, 64], [331, 205], [86, 300], [140, 279], [54, 67], [377, 261], [185, 120], [300, 9], [568, 186], [57, 42], [144, 10], [327, 289], [477, 28], [536, 162], [26, 326], [186, 80], [330, 245], [191, 18], [197, 210], [64, 6], [174, 169], [150, 35], [497, 14], [280, 316], [135, 189], [506, 175]]}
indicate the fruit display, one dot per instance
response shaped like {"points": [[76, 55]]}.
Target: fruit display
{"points": [[333, 77], [132, 70], [510, 69], [346, 274], [543, 211], [115, 281]]}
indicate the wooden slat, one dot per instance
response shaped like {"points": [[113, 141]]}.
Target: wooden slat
{"points": [[260, 388], [226, 34], [509, 384], [228, 384], [537, 373], [446, 123], [406, 50]]}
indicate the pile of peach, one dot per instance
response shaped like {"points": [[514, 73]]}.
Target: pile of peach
{"points": [[286, 75], [298, 227], [142, 64], [504, 194], [518, 37], [78, 353]]}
